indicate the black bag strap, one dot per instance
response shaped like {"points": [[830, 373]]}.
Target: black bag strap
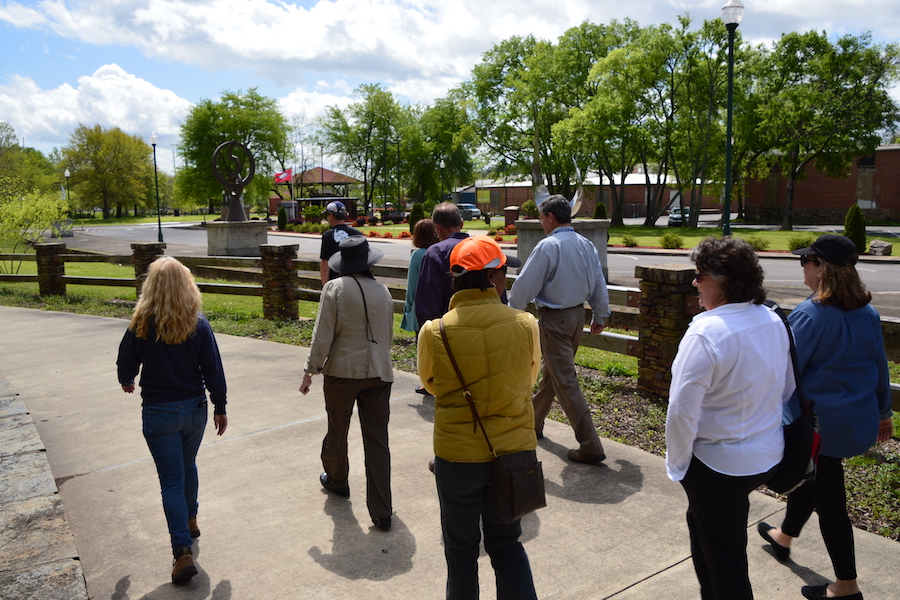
{"points": [[805, 405], [468, 395]]}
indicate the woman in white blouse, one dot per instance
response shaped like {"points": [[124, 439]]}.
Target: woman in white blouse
{"points": [[730, 379]]}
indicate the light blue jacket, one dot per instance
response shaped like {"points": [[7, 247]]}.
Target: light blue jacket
{"points": [[843, 367]]}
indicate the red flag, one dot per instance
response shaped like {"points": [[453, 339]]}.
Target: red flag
{"points": [[284, 176]]}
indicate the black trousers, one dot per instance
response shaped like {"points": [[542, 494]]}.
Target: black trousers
{"points": [[827, 496], [718, 506]]}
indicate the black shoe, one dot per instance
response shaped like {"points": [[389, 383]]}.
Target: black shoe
{"points": [[782, 553], [539, 435], [820, 592], [421, 390], [330, 485], [382, 523], [583, 457]]}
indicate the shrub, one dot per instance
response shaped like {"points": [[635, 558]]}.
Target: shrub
{"points": [[629, 240], [510, 229], [388, 235], [757, 243], [294, 221], [361, 221], [855, 227], [416, 214], [670, 240], [498, 238], [282, 218], [374, 234], [313, 214], [796, 242], [530, 209], [600, 212], [404, 234]]}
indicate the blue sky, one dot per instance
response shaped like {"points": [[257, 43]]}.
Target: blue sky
{"points": [[141, 64]]}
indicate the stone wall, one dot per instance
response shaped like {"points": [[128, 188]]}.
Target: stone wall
{"points": [[279, 278], [51, 269]]}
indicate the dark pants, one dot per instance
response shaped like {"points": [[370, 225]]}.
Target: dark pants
{"points": [[373, 399], [173, 432], [826, 495], [560, 337], [466, 496], [718, 506]]}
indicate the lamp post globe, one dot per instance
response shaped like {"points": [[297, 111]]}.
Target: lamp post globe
{"points": [[153, 140], [732, 13]]}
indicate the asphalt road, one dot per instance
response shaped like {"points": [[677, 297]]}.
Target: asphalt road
{"points": [[784, 277]]}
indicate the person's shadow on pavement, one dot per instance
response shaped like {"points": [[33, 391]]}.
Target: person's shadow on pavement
{"points": [[364, 553], [592, 484]]}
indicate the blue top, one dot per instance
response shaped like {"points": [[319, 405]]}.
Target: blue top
{"points": [[843, 367], [410, 323], [562, 271], [174, 372], [434, 289]]}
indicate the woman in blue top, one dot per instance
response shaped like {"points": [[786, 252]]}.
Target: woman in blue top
{"points": [[424, 236], [174, 348], [843, 367]]}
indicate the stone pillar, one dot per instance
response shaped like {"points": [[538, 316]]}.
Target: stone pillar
{"points": [[141, 257], [279, 278], [530, 232], [668, 303], [51, 269]]}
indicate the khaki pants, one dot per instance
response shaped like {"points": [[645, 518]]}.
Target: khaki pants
{"points": [[560, 334]]}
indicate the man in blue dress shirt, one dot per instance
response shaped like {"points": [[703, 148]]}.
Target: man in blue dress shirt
{"points": [[561, 274]]}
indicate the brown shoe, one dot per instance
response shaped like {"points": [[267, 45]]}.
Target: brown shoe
{"points": [[184, 567], [583, 457], [192, 525]]}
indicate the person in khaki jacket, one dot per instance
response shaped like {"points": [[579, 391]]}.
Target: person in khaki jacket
{"points": [[351, 346], [498, 353]]}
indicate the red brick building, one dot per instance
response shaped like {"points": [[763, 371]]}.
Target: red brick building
{"points": [[873, 183]]}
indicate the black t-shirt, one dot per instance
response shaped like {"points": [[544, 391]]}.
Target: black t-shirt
{"points": [[331, 240]]}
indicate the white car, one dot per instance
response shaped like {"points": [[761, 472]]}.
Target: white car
{"points": [[469, 211]]}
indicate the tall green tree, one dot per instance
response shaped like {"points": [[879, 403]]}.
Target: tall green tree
{"points": [[245, 117], [108, 166], [825, 103]]}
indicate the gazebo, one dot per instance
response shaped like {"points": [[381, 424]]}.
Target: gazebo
{"points": [[321, 182]]}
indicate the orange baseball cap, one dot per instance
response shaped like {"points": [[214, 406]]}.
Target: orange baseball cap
{"points": [[479, 253]]}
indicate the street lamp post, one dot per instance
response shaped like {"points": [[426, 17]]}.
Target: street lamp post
{"points": [[442, 179], [66, 174], [153, 140], [732, 13]]}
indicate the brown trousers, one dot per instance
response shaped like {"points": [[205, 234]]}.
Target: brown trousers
{"points": [[373, 397], [560, 335]]}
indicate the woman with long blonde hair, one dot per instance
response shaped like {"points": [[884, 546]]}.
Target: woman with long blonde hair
{"points": [[172, 344]]}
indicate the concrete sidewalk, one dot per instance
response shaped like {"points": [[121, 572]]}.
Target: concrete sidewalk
{"points": [[269, 530]]}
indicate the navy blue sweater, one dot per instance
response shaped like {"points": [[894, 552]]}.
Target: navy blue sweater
{"points": [[174, 372]]}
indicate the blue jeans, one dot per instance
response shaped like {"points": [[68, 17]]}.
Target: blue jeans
{"points": [[466, 494], [173, 432]]}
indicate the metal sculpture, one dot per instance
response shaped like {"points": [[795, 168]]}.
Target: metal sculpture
{"points": [[229, 162], [541, 193]]}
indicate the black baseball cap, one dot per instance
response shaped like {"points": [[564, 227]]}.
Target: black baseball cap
{"points": [[833, 248]]}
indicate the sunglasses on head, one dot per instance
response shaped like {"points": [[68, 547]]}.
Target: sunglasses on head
{"points": [[805, 258]]}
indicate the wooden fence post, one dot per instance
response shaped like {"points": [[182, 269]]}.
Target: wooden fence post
{"points": [[141, 257], [51, 268], [279, 278], [668, 303]]}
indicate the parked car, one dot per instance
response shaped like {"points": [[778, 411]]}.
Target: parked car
{"points": [[677, 216], [469, 211]]}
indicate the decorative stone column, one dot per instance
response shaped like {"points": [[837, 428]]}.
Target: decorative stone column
{"points": [[141, 257], [279, 278], [51, 268], [668, 302]]}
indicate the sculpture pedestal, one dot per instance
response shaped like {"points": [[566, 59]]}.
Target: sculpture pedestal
{"points": [[530, 233], [236, 238]]}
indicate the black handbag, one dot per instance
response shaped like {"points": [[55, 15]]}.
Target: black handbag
{"points": [[802, 443], [518, 477]]}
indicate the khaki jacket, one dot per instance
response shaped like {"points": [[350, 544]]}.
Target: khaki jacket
{"points": [[341, 344], [498, 352]]}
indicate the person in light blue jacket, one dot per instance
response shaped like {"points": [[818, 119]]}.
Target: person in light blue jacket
{"points": [[424, 236], [843, 368]]}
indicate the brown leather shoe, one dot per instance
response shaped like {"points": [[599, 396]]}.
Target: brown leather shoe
{"points": [[582, 457], [192, 525], [184, 567]]}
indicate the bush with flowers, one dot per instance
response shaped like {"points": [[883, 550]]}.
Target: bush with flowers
{"points": [[405, 234]]}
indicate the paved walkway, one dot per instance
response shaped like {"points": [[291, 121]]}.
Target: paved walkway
{"points": [[269, 530]]}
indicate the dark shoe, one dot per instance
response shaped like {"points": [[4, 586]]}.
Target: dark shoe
{"points": [[192, 525], [820, 592], [330, 485], [782, 553], [421, 390], [382, 523], [431, 465], [583, 457], [184, 567], [539, 434]]}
